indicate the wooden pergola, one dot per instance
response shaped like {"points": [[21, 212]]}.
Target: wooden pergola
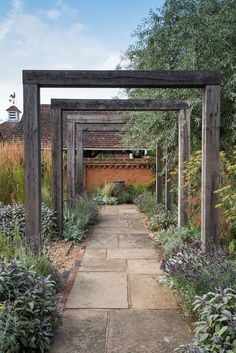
{"points": [[76, 129], [78, 123], [208, 81]]}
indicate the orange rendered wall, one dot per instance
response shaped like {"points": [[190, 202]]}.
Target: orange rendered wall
{"points": [[133, 173]]}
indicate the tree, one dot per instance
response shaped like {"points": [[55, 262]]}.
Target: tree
{"points": [[185, 34]]}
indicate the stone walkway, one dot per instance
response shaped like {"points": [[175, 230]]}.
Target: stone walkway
{"points": [[117, 304]]}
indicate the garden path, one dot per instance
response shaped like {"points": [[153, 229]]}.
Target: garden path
{"points": [[118, 303]]}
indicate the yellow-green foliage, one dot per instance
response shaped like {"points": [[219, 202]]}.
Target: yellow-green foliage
{"points": [[227, 190], [12, 173]]}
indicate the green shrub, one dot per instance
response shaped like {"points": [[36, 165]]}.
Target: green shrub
{"points": [[88, 207], [216, 330], [75, 223], [136, 189], [13, 248], [194, 272], [7, 248], [162, 220], [77, 219], [124, 197], [173, 238], [12, 220], [9, 331], [106, 200], [146, 203], [42, 266], [31, 300], [118, 193]]}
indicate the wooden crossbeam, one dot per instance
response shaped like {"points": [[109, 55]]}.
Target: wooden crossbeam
{"points": [[119, 104], [121, 79]]}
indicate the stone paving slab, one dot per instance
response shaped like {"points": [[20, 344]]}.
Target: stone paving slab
{"points": [[95, 253], [83, 331], [137, 226], [133, 254], [103, 265], [113, 224], [135, 241], [147, 267], [99, 290], [146, 331], [103, 240], [129, 206], [111, 230], [147, 293]]}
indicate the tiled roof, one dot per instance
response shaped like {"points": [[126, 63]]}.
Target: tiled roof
{"points": [[10, 131]]}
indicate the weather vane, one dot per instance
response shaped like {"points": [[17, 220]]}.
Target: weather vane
{"points": [[13, 98]]}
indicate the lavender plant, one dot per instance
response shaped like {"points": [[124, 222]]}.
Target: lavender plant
{"points": [[193, 272]]}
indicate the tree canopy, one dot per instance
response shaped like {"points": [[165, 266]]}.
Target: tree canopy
{"points": [[185, 34]]}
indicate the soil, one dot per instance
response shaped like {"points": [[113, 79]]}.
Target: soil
{"points": [[63, 254]]}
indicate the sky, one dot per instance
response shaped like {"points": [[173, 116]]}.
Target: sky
{"points": [[64, 34]]}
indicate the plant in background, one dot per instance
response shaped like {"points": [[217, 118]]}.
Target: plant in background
{"points": [[74, 227], [9, 331], [104, 195], [88, 207], [14, 247], [12, 188], [216, 330], [189, 348], [227, 191], [12, 221], [106, 200], [193, 272], [32, 302], [173, 238], [77, 219], [146, 203], [162, 219]]}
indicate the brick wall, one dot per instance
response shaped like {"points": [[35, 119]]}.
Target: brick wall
{"points": [[130, 171]]}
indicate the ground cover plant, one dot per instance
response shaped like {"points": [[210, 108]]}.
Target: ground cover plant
{"points": [[117, 193], [12, 220], [173, 238], [194, 272], [158, 217], [29, 309], [77, 219], [216, 329]]}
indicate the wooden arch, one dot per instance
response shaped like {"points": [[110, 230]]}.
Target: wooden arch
{"points": [[208, 81], [101, 123]]}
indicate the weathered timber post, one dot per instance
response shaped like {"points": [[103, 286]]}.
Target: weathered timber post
{"points": [[184, 154], [210, 167], [32, 153], [57, 168], [168, 184], [79, 184], [70, 164], [159, 177]]}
